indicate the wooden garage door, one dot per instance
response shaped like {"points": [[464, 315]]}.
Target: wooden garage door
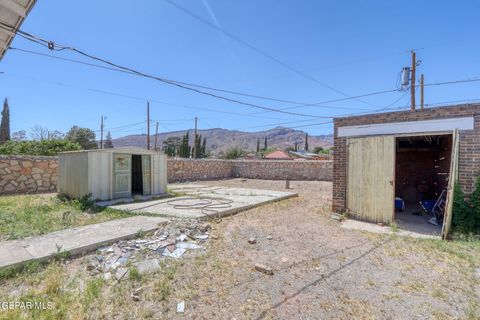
{"points": [[370, 178]]}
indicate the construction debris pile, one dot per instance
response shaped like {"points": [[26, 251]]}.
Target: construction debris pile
{"points": [[171, 240]]}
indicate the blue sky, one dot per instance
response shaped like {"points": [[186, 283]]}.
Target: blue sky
{"points": [[355, 47]]}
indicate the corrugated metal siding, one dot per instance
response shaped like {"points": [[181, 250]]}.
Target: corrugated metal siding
{"points": [[370, 179], [100, 178], [159, 174], [85, 172], [72, 175]]}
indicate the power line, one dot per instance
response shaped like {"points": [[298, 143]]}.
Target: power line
{"points": [[300, 104], [57, 83], [51, 45], [259, 51]]}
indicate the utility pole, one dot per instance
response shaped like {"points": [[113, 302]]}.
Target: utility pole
{"points": [[195, 137], [421, 92], [412, 83], [101, 131], [148, 125], [156, 136]]}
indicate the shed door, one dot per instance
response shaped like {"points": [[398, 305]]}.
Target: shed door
{"points": [[447, 218], [147, 174], [370, 178], [122, 175]]}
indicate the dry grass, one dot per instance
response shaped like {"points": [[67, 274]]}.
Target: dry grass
{"points": [[28, 215], [320, 271]]}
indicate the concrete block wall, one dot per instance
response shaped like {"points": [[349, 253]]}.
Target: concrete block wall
{"points": [[28, 174], [469, 144]]}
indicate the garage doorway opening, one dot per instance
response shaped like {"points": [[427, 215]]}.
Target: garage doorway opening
{"points": [[422, 173], [137, 175]]}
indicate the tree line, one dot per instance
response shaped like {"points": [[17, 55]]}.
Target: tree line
{"points": [[44, 141], [180, 147]]}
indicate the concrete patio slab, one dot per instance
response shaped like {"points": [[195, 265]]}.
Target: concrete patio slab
{"points": [[375, 228], [203, 202], [74, 240]]}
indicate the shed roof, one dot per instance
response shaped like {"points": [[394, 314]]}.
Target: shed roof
{"points": [[117, 150], [12, 13]]}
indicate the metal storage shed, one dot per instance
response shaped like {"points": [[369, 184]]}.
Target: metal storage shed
{"points": [[112, 173]]}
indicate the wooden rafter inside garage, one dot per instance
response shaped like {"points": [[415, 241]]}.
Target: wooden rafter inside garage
{"points": [[12, 13]]}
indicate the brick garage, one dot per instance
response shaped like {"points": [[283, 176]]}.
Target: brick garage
{"points": [[469, 143]]}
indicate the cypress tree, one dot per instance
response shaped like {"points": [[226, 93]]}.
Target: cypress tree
{"points": [[204, 148], [265, 144], [5, 124], [306, 141], [108, 141], [258, 145]]}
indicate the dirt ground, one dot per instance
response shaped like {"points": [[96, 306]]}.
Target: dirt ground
{"points": [[321, 271]]}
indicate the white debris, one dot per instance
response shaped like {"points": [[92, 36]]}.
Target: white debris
{"points": [[177, 253], [182, 237], [181, 307], [202, 237], [188, 245], [121, 272], [147, 266]]}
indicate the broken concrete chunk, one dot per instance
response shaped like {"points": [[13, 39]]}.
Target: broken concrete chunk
{"points": [[202, 237], [120, 273], [148, 266], [181, 307], [337, 217], [177, 253], [182, 237], [188, 245], [263, 269], [269, 237], [107, 276], [252, 240]]}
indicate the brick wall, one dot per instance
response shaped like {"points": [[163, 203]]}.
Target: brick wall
{"points": [[21, 174], [469, 153]]}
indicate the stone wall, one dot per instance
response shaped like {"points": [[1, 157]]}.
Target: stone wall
{"points": [[469, 144], [27, 174], [179, 170], [283, 169], [31, 174], [191, 170]]}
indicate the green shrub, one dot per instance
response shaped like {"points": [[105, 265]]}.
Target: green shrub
{"points": [[234, 153], [466, 215], [38, 148], [475, 200]]}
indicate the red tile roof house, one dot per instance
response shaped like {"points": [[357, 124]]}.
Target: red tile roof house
{"points": [[412, 156], [278, 155]]}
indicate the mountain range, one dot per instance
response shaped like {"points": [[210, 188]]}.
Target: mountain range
{"points": [[219, 140]]}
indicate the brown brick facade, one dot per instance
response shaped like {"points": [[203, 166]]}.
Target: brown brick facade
{"points": [[469, 146]]}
